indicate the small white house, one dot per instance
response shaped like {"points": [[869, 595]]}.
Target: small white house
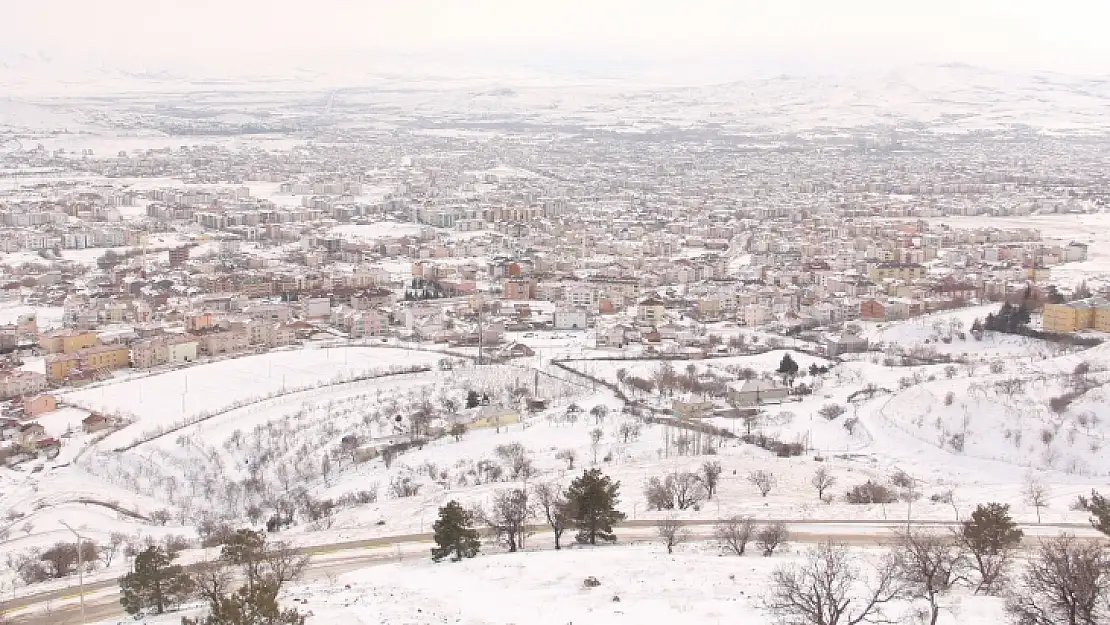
{"points": [[570, 319]]}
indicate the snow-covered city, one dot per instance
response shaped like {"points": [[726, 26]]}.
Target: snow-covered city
{"points": [[453, 338]]}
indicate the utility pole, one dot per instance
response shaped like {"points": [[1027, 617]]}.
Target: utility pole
{"points": [[481, 333], [80, 567]]}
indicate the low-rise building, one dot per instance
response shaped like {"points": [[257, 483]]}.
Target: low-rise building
{"points": [[570, 319], [20, 383], [39, 404], [227, 342], [756, 392]]}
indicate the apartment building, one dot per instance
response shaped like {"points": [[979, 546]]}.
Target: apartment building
{"points": [[19, 383], [651, 311], [1087, 314], [163, 350], [96, 358], [271, 334], [227, 342], [67, 341]]}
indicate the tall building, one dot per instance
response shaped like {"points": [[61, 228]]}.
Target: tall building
{"points": [[178, 256]]}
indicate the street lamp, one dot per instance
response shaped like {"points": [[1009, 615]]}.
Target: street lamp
{"points": [[80, 567]]}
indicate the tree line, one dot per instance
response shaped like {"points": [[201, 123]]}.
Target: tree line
{"points": [[588, 505], [240, 587]]}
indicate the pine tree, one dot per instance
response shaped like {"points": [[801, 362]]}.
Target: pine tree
{"points": [[155, 584], [454, 534], [788, 368], [990, 536], [593, 498], [246, 549], [472, 399], [1099, 507], [248, 606]]}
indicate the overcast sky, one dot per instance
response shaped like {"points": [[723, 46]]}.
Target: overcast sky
{"points": [[729, 36]]}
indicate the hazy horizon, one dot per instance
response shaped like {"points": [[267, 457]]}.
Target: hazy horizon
{"points": [[703, 39]]}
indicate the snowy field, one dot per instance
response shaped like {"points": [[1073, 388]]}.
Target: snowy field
{"points": [[47, 317], [940, 332], [380, 230], [169, 397], [640, 584], [766, 362]]}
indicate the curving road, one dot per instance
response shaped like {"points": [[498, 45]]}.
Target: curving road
{"points": [[344, 557]]}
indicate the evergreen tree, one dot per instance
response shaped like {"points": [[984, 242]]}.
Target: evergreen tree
{"points": [[593, 498], [472, 399], [454, 534], [990, 536], [1099, 507], [246, 549], [257, 606], [154, 584], [788, 368], [1082, 291]]}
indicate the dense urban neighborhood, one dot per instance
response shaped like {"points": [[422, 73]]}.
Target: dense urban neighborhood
{"points": [[298, 339]]}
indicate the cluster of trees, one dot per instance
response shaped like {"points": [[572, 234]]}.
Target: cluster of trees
{"points": [[240, 587], [685, 489], [588, 505], [1009, 319], [1065, 581], [65, 558]]}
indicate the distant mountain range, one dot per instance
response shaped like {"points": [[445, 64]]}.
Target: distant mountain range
{"points": [[948, 97]]}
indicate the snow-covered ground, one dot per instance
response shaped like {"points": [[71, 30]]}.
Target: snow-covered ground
{"points": [[279, 444], [169, 397], [639, 584]]}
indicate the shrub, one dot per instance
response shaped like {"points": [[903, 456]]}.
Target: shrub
{"points": [[870, 492]]}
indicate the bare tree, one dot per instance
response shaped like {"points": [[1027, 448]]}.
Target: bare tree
{"points": [[671, 532], [213, 580], [687, 488], [763, 480], [710, 477], [596, 435], [508, 517], [824, 591], [929, 565], [554, 507], [1036, 494], [1010, 387], [569, 455], [659, 493], [1067, 582], [282, 564], [629, 430], [734, 533], [822, 481], [516, 458], [61, 559], [109, 549], [769, 537]]}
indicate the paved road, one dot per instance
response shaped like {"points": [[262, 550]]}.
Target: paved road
{"points": [[343, 557]]}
